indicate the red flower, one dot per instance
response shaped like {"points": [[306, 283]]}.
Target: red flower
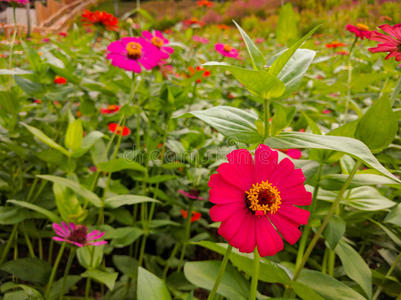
{"points": [[335, 45], [114, 127], [100, 18], [342, 52], [63, 34], [206, 73], [223, 26], [60, 80], [256, 199], [193, 21], [205, 3], [110, 109], [195, 215], [360, 30], [391, 41]]}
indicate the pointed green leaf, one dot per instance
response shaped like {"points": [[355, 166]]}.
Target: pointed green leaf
{"points": [[51, 216], [118, 201], [150, 287]]}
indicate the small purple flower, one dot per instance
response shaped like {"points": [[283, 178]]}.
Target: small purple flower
{"points": [[226, 50], [130, 53], [159, 41], [199, 39], [192, 194], [77, 235]]}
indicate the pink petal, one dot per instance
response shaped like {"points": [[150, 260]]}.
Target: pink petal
{"points": [[232, 175], [288, 229], [219, 47], [282, 172], [116, 47], [222, 192], [268, 240], [296, 195], [97, 243], [168, 50], [220, 213], [59, 230], [245, 238], [294, 214], [296, 177], [94, 235], [56, 238], [147, 35], [265, 162], [230, 227], [380, 37], [243, 160], [66, 228], [390, 30]]}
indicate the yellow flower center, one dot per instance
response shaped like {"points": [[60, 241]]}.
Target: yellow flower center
{"points": [[112, 107], [134, 50], [119, 129], [227, 48], [362, 26], [158, 42], [263, 198]]}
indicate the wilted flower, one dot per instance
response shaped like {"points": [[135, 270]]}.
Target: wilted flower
{"points": [[391, 41], [130, 53], [119, 130], [252, 196], [226, 50], [77, 235]]}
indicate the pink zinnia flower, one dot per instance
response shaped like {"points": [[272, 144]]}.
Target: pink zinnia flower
{"points": [[360, 30], [192, 194], [159, 41], [77, 235], [293, 153], [199, 39], [391, 42], [326, 111], [226, 50], [253, 196], [130, 53]]}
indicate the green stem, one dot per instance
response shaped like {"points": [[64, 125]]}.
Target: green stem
{"points": [[266, 109], [10, 61], [348, 98], [67, 271], [221, 273], [331, 262], [87, 288], [379, 289], [255, 276], [8, 245], [187, 235], [142, 251], [28, 242], [307, 230], [54, 271], [326, 221], [324, 261], [173, 253]]}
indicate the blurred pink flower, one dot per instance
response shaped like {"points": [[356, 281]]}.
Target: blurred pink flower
{"points": [[360, 30], [226, 50], [158, 40], [77, 235], [391, 41], [192, 194], [199, 39]]}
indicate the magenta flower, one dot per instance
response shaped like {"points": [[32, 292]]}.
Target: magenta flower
{"points": [[199, 39], [257, 199], [130, 53], [226, 50], [391, 42], [159, 41], [192, 194], [360, 30], [77, 235]]}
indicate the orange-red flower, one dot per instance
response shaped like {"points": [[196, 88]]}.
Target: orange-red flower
{"points": [[223, 26], [335, 45], [193, 21], [195, 215], [205, 3], [110, 109], [119, 130], [199, 69], [100, 18], [60, 80]]}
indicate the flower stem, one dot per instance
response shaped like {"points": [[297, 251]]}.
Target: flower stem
{"points": [[54, 271], [10, 61], [67, 271], [173, 253], [255, 276], [266, 108], [8, 245], [379, 289], [187, 235], [325, 221], [348, 98], [221, 273], [87, 288]]}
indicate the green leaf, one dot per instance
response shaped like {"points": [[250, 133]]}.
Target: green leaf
{"points": [[125, 236], [68, 204], [121, 200], [76, 187], [45, 139], [282, 60], [28, 269], [15, 71], [305, 292], [29, 87], [70, 282], [87, 143], [230, 121], [335, 181], [51, 216], [334, 231], [355, 267], [378, 126], [392, 236], [204, 273], [258, 82], [90, 257], [126, 264], [312, 124], [108, 279], [74, 135], [119, 164], [394, 216], [257, 58], [368, 198], [10, 215], [287, 29], [328, 287], [282, 118], [269, 271], [150, 287], [353, 147]]}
